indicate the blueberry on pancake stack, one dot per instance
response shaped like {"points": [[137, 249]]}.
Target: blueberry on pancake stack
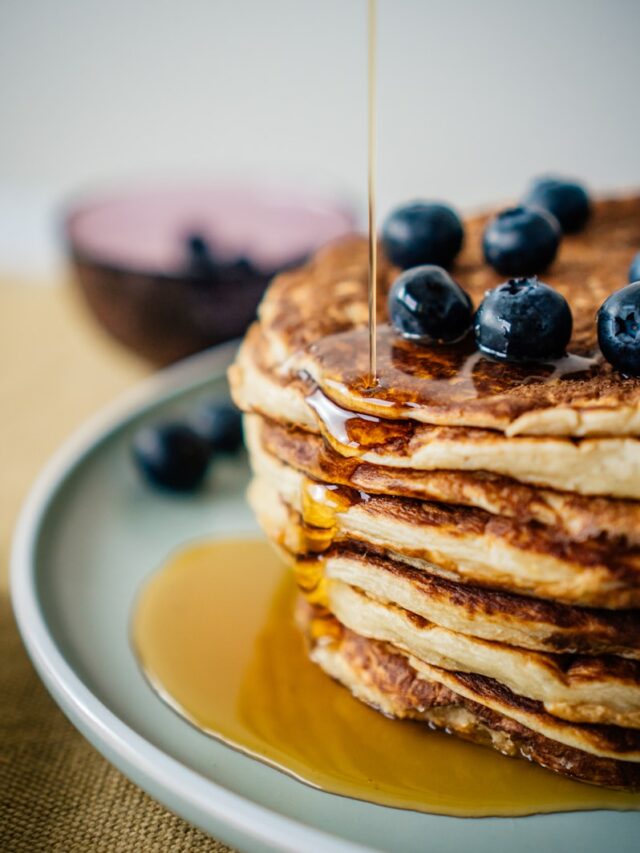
{"points": [[465, 531]]}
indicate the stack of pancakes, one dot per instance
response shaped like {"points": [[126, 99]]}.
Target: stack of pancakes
{"points": [[466, 533]]}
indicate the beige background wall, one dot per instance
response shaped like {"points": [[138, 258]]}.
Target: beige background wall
{"points": [[474, 96]]}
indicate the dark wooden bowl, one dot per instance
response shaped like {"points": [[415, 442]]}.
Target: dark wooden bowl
{"points": [[168, 302]]}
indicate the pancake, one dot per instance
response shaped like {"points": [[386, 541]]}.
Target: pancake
{"points": [[491, 615], [467, 529], [576, 516], [314, 319], [607, 466], [580, 689], [452, 541], [600, 689], [518, 620], [472, 708], [261, 384]]}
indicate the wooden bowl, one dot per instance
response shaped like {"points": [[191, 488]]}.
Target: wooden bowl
{"points": [[171, 271]]}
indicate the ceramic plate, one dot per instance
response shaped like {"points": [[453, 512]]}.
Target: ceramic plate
{"points": [[88, 536]]}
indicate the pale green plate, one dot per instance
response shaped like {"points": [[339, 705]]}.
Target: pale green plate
{"points": [[88, 535]]}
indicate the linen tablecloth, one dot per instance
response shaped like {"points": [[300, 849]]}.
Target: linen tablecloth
{"points": [[57, 794]]}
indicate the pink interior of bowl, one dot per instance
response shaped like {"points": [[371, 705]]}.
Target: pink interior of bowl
{"points": [[147, 230]]}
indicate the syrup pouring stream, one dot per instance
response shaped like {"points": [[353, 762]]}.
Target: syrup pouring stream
{"points": [[373, 248]]}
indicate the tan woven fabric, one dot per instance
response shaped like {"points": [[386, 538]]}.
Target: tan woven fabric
{"points": [[57, 794]]}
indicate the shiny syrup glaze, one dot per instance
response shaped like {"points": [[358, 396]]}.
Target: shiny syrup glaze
{"points": [[409, 376], [353, 434], [321, 505], [447, 377], [214, 633]]}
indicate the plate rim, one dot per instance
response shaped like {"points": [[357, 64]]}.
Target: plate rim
{"points": [[115, 740]]}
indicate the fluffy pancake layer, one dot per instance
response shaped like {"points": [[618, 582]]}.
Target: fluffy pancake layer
{"points": [[453, 541], [473, 708], [516, 620], [590, 690], [604, 689], [577, 517], [608, 465]]}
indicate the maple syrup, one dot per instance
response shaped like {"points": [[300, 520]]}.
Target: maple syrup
{"points": [[214, 633], [353, 433], [321, 504], [445, 379], [373, 234]]}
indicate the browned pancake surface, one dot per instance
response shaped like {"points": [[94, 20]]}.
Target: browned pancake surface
{"points": [[577, 516], [322, 308], [565, 628], [411, 696]]}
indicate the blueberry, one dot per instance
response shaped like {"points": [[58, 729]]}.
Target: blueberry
{"points": [[422, 232], [523, 320], [171, 455], [634, 269], [200, 262], [521, 241], [427, 305], [566, 200], [619, 329], [220, 424]]}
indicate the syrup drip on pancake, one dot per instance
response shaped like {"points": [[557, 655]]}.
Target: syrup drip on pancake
{"points": [[320, 505], [410, 376]]}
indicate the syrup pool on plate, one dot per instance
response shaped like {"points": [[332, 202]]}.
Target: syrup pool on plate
{"points": [[214, 633]]}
